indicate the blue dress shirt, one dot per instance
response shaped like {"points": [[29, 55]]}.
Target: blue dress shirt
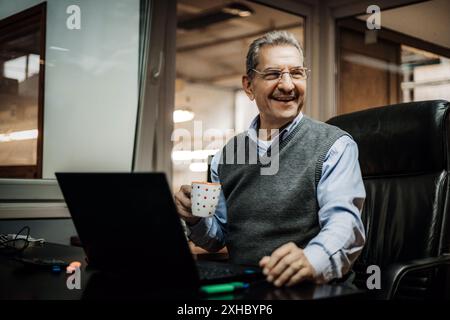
{"points": [[340, 195]]}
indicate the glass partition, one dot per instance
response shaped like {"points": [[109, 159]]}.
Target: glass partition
{"points": [[89, 83]]}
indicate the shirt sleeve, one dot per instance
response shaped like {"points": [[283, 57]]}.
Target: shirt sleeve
{"points": [[210, 233], [340, 194]]}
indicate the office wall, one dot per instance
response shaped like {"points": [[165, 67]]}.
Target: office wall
{"points": [[91, 84], [214, 109], [246, 111]]}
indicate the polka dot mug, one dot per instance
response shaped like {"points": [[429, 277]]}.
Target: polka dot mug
{"points": [[204, 198]]}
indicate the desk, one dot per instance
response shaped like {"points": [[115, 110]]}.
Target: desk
{"points": [[20, 282]]}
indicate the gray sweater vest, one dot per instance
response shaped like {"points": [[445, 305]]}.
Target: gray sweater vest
{"points": [[267, 211]]}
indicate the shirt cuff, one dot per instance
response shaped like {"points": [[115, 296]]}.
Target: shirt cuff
{"points": [[198, 232], [321, 263]]}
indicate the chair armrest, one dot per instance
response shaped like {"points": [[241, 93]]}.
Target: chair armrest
{"points": [[396, 271]]}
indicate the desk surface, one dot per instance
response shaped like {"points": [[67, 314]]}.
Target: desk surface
{"points": [[20, 282]]}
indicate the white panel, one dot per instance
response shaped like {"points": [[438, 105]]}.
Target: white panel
{"points": [[91, 84], [246, 111]]}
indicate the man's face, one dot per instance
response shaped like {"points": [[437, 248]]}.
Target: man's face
{"points": [[279, 101]]}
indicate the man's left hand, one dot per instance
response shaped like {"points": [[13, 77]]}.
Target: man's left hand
{"points": [[287, 265]]}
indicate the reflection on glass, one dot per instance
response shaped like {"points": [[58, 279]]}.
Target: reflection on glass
{"points": [[19, 106], [426, 76], [381, 69], [19, 95]]}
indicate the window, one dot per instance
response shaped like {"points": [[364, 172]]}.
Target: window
{"points": [[210, 105], [426, 76], [87, 112], [401, 62], [22, 48]]}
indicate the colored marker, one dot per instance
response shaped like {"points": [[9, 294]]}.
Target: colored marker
{"points": [[225, 287]]}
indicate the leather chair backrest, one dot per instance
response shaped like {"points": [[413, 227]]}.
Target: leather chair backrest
{"points": [[404, 159]]}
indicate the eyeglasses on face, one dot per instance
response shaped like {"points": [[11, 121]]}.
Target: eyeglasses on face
{"points": [[299, 73]]}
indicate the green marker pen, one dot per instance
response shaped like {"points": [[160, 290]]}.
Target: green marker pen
{"points": [[225, 287]]}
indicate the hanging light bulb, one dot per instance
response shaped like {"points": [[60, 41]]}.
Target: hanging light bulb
{"points": [[198, 167], [182, 115]]}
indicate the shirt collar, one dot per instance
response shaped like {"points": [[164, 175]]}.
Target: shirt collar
{"points": [[252, 130]]}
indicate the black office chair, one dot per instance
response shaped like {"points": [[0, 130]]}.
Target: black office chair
{"points": [[405, 159]]}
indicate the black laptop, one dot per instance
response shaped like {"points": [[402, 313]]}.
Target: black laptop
{"points": [[127, 222]]}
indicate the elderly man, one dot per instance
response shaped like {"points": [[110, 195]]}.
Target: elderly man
{"points": [[303, 222]]}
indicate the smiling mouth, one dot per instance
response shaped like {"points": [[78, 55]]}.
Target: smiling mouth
{"points": [[284, 99]]}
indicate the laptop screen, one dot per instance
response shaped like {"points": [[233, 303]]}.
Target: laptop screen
{"points": [[127, 222]]}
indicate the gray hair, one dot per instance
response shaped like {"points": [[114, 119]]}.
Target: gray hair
{"points": [[272, 38]]}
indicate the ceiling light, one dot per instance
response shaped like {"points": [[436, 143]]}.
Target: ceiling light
{"points": [[181, 155], [198, 167], [186, 155], [182, 115], [19, 135], [238, 9], [214, 15]]}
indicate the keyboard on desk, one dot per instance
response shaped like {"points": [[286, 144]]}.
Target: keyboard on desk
{"points": [[211, 271]]}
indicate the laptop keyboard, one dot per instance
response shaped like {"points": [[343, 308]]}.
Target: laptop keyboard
{"points": [[211, 273], [210, 270]]}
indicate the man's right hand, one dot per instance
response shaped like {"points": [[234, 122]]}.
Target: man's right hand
{"points": [[183, 204]]}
